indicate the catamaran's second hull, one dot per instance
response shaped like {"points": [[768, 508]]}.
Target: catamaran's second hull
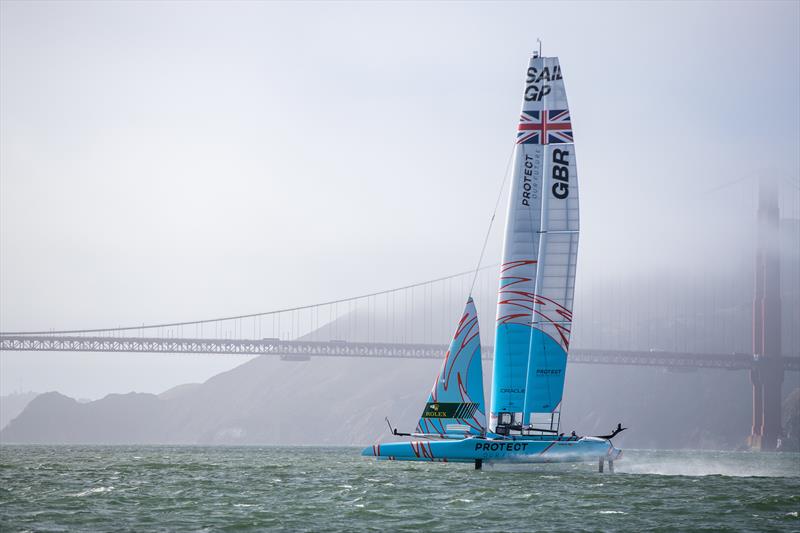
{"points": [[520, 449]]}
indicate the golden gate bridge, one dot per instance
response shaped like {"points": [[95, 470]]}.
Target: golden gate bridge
{"points": [[671, 322]]}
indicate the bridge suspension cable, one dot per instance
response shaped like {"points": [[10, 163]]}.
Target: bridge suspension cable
{"points": [[251, 315]]}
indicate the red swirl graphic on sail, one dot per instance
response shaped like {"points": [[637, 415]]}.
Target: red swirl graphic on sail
{"points": [[510, 302]]}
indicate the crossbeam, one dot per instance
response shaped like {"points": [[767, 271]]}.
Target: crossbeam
{"points": [[303, 348]]}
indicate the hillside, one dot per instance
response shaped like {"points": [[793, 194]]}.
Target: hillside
{"points": [[343, 401], [12, 405]]}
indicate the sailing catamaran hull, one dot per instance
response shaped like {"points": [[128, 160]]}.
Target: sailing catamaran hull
{"points": [[520, 449]]}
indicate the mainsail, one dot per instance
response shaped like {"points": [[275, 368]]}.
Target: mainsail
{"points": [[455, 404], [537, 279]]}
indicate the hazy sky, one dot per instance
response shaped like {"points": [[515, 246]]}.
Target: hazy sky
{"points": [[173, 161]]}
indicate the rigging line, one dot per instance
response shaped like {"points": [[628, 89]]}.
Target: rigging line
{"points": [[491, 220], [727, 184], [223, 319], [795, 184]]}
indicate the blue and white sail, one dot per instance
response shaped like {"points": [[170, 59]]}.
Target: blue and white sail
{"points": [[537, 279], [455, 405]]}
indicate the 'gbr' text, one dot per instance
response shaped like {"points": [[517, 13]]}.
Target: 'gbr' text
{"points": [[560, 173]]}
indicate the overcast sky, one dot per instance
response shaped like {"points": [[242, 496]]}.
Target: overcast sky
{"points": [[173, 161]]}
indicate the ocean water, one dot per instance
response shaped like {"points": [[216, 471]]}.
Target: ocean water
{"points": [[168, 488]]}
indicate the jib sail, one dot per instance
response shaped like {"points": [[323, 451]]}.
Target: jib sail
{"points": [[455, 405]]}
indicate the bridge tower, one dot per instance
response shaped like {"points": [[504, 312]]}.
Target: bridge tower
{"points": [[767, 373]]}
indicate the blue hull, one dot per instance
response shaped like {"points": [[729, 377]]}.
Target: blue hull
{"points": [[521, 449]]}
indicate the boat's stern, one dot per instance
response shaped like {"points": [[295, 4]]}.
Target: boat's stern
{"points": [[600, 447], [614, 454]]}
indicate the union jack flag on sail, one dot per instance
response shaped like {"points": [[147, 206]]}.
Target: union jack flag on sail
{"points": [[545, 127]]}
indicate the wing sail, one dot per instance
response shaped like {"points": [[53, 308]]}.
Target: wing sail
{"points": [[455, 405], [539, 251]]}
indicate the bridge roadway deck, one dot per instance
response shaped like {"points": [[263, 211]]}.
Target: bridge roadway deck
{"points": [[304, 349]]}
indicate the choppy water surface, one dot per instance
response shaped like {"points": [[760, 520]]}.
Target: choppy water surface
{"points": [[50, 488]]}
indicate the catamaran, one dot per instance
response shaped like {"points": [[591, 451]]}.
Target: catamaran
{"points": [[534, 313]]}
